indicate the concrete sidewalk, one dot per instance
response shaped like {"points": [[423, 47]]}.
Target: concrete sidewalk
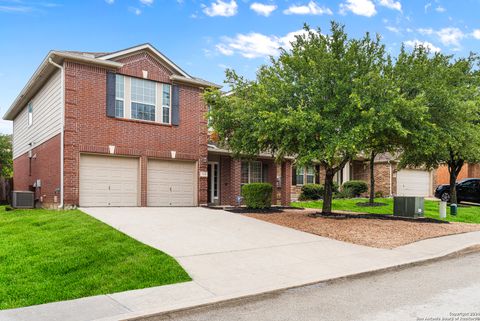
{"points": [[230, 256]]}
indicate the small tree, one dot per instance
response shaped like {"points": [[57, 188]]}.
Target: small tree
{"points": [[6, 165], [307, 103], [449, 93]]}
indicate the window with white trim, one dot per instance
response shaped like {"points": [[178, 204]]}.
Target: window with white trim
{"points": [[310, 175], [30, 114], [300, 171], [143, 97], [119, 96], [251, 172], [166, 103]]}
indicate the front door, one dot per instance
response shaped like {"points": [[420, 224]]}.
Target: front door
{"points": [[213, 182]]}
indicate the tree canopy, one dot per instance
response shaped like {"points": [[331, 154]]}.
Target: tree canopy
{"points": [[449, 131]]}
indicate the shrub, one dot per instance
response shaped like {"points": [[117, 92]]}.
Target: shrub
{"points": [[379, 194], [355, 188], [257, 195], [311, 192]]}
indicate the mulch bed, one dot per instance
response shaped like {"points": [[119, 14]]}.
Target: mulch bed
{"points": [[381, 231], [378, 217]]}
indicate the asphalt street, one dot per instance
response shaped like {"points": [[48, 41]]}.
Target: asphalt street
{"points": [[444, 290]]}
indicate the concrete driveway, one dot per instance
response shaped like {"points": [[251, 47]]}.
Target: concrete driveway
{"points": [[229, 254]]}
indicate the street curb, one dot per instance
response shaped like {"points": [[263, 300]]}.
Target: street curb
{"points": [[458, 253]]}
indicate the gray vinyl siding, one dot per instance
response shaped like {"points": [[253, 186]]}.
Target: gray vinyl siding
{"points": [[46, 117]]}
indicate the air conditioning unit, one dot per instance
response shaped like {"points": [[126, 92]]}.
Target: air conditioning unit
{"points": [[408, 206], [23, 199]]}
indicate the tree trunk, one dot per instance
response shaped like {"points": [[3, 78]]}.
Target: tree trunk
{"points": [[454, 167], [453, 186], [372, 178], [328, 192]]}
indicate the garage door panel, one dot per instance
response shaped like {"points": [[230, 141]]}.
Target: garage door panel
{"points": [[108, 181], [171, 183], [413, 183]]}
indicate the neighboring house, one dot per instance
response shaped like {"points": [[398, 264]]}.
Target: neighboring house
{"points": [[389, 181], [468, 171], [126, 128]]}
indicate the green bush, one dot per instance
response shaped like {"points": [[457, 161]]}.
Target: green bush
{"points": [[257, 195], [315, 191], [355, 188], [311, 192], [379, 194]]}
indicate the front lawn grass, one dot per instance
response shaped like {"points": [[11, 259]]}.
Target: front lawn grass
{"points": [[48, 255], [466, 213]]}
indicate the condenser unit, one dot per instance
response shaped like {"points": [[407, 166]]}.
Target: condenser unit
{"points": [[23, 199]]}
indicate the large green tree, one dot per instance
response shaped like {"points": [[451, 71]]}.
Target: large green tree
{"points": [[6, 155], [449, 132], [306, 103]]}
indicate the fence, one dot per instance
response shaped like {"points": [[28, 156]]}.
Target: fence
{"points": [[6, 186]]}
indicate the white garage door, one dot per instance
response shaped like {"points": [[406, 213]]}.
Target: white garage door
{"points": [[413, 183], [171, 183], [108, 181]]}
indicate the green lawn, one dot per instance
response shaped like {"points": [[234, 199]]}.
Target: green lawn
{"points": [[48, 256], [466, 213]]}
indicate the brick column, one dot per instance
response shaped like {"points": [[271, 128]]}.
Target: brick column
{"points": [[235, 176], [143, 180], [286, 172], [202, 181], [272, 179]]}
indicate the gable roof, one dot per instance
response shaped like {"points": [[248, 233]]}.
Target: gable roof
{"points": [[147, 47], [104, 59]]}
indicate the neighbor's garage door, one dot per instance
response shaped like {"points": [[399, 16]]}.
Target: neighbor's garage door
{"points": [[108, 181], [412, 182], [170, 183]]}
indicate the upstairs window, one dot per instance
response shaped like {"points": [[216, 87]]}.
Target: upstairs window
{"points": [[119, 96], [30, 114], [166, 103], [143, 99]]}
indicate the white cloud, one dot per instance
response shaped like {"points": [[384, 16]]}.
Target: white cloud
{"points": [[359, 7], [110, 1], [147, 2], [476, 34], [393, 29], [310, 8], [426, 44], [256, 45], [450, 36], [263, 9], [425, 31], [440, 9], [224, 49], [135, 11], [391, 4], [427, 6], [221, 8]]}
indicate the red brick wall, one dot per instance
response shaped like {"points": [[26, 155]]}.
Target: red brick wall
{"points": [[88, 129], [45, 166], [361, 171]]}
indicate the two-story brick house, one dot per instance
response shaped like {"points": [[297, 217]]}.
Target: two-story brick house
{"points": [[126, 128]]}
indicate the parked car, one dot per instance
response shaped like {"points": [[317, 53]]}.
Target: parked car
{"points": [[468, 190]]}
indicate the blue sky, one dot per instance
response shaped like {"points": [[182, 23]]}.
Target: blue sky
{"points": [[206, 36]]}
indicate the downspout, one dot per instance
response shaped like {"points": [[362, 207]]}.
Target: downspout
{"points": [[62, 128], [390, 176]]}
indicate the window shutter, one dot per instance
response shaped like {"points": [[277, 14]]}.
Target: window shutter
{"points": [[317, 174], [175, 105], [265, 173], [110, 94], [294, 175]]}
